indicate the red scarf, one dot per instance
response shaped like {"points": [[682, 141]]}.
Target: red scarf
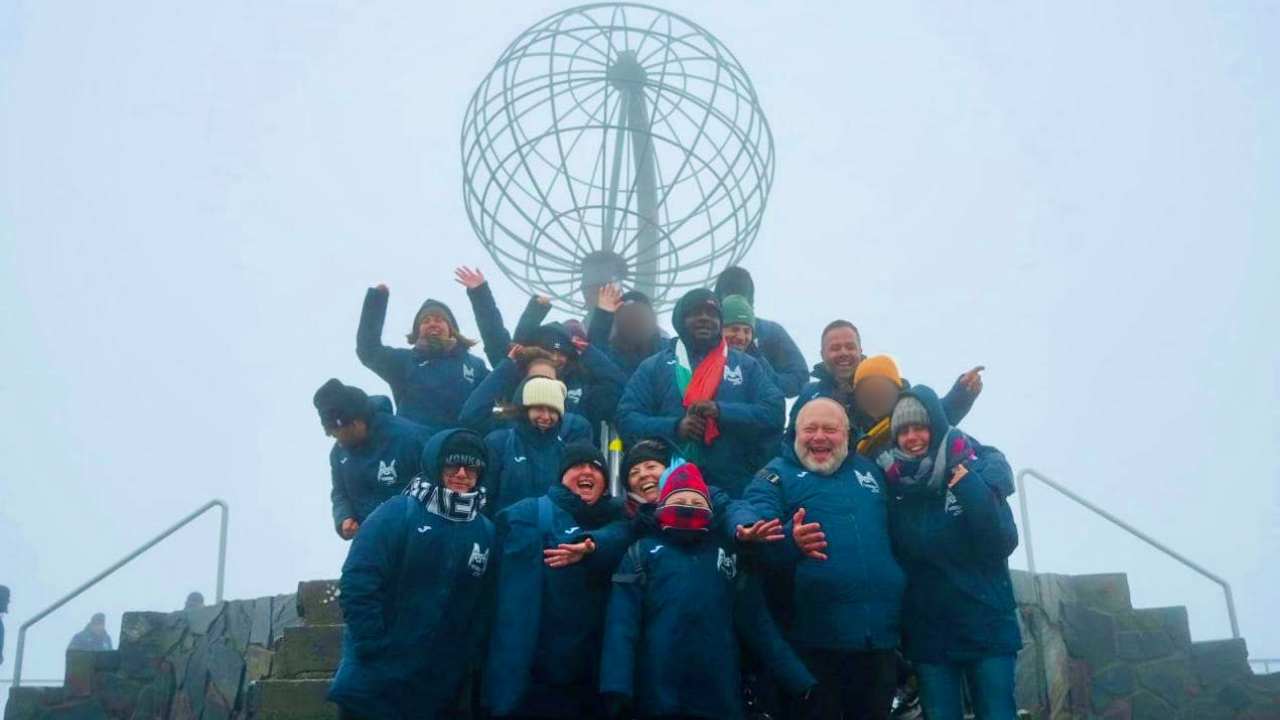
{"points": [[704, 383]]}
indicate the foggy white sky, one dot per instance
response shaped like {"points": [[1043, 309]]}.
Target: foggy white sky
{"points": [[193, 197]]}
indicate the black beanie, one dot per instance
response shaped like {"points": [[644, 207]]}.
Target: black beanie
{"points": [[690, 300], [647, 449], [340, 405], [427, 305], [581, 453], [553, 337], [735, 280], [463, 448]]}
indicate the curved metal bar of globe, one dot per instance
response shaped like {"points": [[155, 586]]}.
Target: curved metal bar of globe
{"points": [[222, 568], [1031, 559]]}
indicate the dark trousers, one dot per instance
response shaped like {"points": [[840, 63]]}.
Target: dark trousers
{"points": [[851, 685]]}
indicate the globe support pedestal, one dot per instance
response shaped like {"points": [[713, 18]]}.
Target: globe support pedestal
{"points": [[628, 77]]}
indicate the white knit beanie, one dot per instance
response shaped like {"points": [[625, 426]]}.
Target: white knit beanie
{"points": [[545, 392]]}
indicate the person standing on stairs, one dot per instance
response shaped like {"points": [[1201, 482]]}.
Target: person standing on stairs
{"points": [[416, 590], [953, 532], [93, 637]]}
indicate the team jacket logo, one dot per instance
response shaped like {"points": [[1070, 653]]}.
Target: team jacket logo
{"points": [[868, 481], [519, 458], [574, 395], [733, 375], [952, 507], [387, 473], [469, 374], [727, 564], [479, 560]]}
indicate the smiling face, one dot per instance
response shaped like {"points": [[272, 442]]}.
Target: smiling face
{"points": [[642, 479], [913, 439], [702, 324], [738, 336], [822, 436], [687, 498], [841, 352], [586, 481], [434, 325], [459, 478], [542, 417]]}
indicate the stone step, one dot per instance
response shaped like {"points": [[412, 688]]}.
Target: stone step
{"points": [[290, 700], [308, 652], [318, 602]]}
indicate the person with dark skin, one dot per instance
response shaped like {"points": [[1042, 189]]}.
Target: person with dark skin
{"points": [[716, 404], [373, 457], [775, 342], [93, 637]]}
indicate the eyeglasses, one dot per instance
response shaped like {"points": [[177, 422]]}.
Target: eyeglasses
{"points": [[467, 470]]}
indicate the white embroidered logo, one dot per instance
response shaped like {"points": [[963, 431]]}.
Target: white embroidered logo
{"points": [[571, 530], [656, 548], [727, 564], [387, 473], [519, 458], [953, 506], [802, 473], [575, 395], [423, 529], [733, 375], [343, 461], [479, 560], [868, 481], [469, 374]]}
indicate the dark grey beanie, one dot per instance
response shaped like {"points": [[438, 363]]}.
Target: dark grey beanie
{"points": [[908, 411]]}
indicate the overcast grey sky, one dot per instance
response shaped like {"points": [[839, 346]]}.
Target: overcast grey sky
{"points": [[193, 197]]}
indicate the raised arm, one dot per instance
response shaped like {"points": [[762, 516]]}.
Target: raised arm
{"points": [[493, 333], [531, 319], [369, 348], [497, 386]]}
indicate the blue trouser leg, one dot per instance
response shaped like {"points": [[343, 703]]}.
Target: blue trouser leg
{"points": [[990, 682]]}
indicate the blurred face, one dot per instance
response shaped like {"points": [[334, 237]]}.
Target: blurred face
{"points": [[585, 481], [822, 436], [738, 336], [687, 498], [642, 479], [914, 439], [542, 417], [876, 396], [635, 323], [353, 434], [434, 325], [541, 368], [841, 352], [459, 478], [703, 324]]}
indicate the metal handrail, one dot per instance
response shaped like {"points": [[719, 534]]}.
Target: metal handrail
{"points": [[1266, 663], [222, 568], [1031, 558]]}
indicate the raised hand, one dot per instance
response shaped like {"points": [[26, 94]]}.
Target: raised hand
{"points": [[542, 299], [808, 536], [349, 528], [609, 297], [760, 531], [382, 288], [567, 554], [470, 278], [972, 380]]}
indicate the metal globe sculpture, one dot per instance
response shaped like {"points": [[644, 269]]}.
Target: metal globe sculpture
{"points": [[615, 143]]}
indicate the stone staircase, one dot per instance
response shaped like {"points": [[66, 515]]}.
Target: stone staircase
{"points": [[1088, 654]]}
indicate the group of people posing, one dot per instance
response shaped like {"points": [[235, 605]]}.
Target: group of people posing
{"points": [[754, 564]]}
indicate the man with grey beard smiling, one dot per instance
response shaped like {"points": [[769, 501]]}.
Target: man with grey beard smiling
{"points": [[847, 586]]}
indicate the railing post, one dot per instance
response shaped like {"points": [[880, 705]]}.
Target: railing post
{"points": [[222, 560], [1026, 524]]}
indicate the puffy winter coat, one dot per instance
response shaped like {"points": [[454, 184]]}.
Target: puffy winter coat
{"points": [[363, 477]]}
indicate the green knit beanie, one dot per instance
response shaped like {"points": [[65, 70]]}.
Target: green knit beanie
{"points": [[736, 310]]}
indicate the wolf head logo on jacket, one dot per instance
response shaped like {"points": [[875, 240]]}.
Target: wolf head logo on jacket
{"points": [[469, 374], [727, 564], [387, 472], [733, 375], [479, 560]]}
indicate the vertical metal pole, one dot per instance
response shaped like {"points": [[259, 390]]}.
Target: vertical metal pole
{"points": [[17, 665], [646, 275], [1231, 610], [1026, 525], [617, 483], [222, 551]]}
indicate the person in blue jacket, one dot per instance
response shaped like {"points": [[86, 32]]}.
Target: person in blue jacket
{"points": [[524, 459], [431, 379], [775, 342], [557, 554], [624, 326], [716, 404], [847, 586], [493, 405], [835, 378], [953, 532], [374, 453], [415, 592], [679, 605]]}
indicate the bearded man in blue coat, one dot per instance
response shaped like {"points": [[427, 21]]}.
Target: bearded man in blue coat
{"points": [[415, 592], [717, 405], [374, 454], [847, 586]]}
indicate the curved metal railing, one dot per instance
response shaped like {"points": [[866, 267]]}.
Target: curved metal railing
{"points": [[222, 568], [1031, 557]]}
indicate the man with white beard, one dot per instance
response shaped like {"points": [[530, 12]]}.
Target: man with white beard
{"points": [[847, 586]]}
